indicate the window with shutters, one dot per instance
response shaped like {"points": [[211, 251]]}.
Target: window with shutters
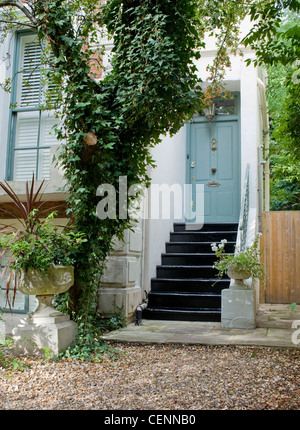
{"points": [[31, 129]]}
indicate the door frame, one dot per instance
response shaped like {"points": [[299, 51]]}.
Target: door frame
{"points": [[217, 118]]}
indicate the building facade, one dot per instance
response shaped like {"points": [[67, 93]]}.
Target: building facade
{"points": [[200, 173]]}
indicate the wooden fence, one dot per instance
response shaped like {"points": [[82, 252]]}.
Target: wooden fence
{"points": [[280, 243]]}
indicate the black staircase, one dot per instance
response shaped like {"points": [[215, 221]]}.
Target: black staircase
{"points": [[183, 288]]}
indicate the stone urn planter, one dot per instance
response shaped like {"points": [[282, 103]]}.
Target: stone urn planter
{"points": [[238, 276], [45, 328], [55, 280], [56, 248]]}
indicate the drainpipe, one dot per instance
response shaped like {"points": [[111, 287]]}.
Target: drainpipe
{"points": [[265, 118], [260, 168], [139, 310], [145, 260]]}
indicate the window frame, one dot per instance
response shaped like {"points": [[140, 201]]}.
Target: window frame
{"points": [[15, 110]]}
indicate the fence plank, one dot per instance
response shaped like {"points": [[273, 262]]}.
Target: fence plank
{"points": [[280, 244]]}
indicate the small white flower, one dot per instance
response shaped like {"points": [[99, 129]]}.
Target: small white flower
{"points": [[214, 247], [224, 241]]}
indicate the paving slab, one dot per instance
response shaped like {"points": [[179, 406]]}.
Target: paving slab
{"points": [[273, 329], [204, 335]]}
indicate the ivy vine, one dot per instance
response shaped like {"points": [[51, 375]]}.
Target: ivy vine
{"points": [[152, 89]]}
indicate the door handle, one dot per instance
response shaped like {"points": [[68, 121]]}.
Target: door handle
{"points": [[214, 145], [193, 164], [213, 184]]}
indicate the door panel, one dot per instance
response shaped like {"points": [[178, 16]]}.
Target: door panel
{"points": [[201, 157], [224, 153], [215, 163]]}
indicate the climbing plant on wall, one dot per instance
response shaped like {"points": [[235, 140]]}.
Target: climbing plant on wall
{"points": [[151, 90]]}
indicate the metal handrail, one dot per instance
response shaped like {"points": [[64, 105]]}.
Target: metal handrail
{"points": [[244, 214]]}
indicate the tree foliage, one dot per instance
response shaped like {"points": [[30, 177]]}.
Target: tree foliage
{"points": [[282, 59], [272, 41], [283, 97], [222, 21]]}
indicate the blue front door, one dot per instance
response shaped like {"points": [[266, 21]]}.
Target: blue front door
{"points": [[214, 161]]}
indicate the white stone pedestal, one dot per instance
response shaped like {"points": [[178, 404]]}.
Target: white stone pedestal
{"points": [[238, 308], [52, 334]]}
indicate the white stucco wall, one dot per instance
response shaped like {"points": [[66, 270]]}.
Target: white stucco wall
{"points": [[170, 155]]}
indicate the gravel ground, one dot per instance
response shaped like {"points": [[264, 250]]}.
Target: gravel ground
{"points": [[160, 377]]}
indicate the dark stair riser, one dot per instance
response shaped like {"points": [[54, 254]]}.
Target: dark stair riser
{"points": [[189, 259], [206, 227], [189, 285], [202, 236], [196, 247], [177, 301], [183, 315], [186, 272], [186, 287]]}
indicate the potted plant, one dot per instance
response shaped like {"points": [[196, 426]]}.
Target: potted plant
{"points": [[40, 256], [240, 265]]}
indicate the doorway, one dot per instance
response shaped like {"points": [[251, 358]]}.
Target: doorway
{"points": [[213, 160]]}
